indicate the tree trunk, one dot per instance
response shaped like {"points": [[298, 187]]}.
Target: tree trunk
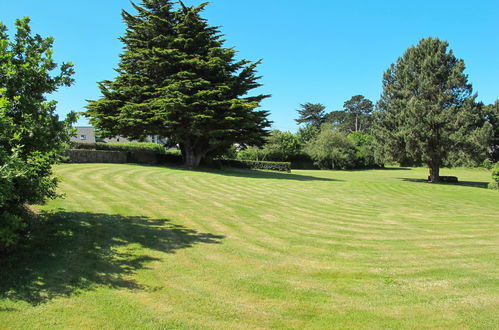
{"points": [[192, 158], [356, 122], [434, 172]]}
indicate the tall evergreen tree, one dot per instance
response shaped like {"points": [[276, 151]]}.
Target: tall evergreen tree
{"points": [[427, 107], [492, 116], [311, 114], [359, 109], [176, 80]]}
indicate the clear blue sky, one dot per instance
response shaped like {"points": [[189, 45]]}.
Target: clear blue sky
{"points": [[314, 51]]}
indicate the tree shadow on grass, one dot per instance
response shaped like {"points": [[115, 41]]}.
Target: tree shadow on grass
{"points": [[245, 173], [475, 184], [70, 252], [256, 174], [393, 168]]}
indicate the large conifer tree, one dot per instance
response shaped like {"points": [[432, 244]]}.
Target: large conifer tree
{"points": [[427, 108], [176, 80]]}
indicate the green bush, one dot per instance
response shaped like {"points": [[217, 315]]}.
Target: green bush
{"points": [[145, 147], [32, 137], [331, 149], [258, 165], [365, 150], [488, 164], [495, 176], [252, 154]]}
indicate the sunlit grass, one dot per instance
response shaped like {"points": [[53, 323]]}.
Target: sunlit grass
{"points": [[150, 247]]}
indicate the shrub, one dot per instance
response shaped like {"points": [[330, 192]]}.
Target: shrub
{"points": [[365, 150], [32, 137], [298, 161], [258, 165], [331, 149], [495, 177], [252, 154], [488, 164], [282, 146]]}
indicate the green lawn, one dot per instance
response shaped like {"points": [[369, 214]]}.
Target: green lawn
{"points": [[150, 247]]}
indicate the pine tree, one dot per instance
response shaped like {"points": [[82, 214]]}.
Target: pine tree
{"points": [[176, 80], [427, 108], [492, 116], [311, 114], [360, 109]]}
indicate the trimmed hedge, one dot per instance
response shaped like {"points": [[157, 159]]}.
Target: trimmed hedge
{"points": [[144, 147], [258, 165]]}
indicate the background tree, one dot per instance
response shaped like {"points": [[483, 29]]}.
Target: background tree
{"points": [[359, 109], [331, 149], [311, 114], [492, 116], [340, 120], [283, 146], [427, 107], [306, 133], [32, 137], [176, 80]]}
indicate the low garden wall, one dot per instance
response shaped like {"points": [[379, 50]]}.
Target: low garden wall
{"points": [[96, 156], [120, 157]]}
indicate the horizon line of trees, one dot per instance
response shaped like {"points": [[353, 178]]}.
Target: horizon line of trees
{"points": [[331, 139]]}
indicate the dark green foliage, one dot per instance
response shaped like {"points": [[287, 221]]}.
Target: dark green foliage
{"points": [[427, 109], [32, 137], [311, 114], [492, 116], [258, 165], [340, 120], [176, 80], [170, 158], [130, 146], [356, 115], [358, 109], [476, 145], [365, 150]]}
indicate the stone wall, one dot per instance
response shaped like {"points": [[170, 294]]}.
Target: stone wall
{"points": [[96, 156]]}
